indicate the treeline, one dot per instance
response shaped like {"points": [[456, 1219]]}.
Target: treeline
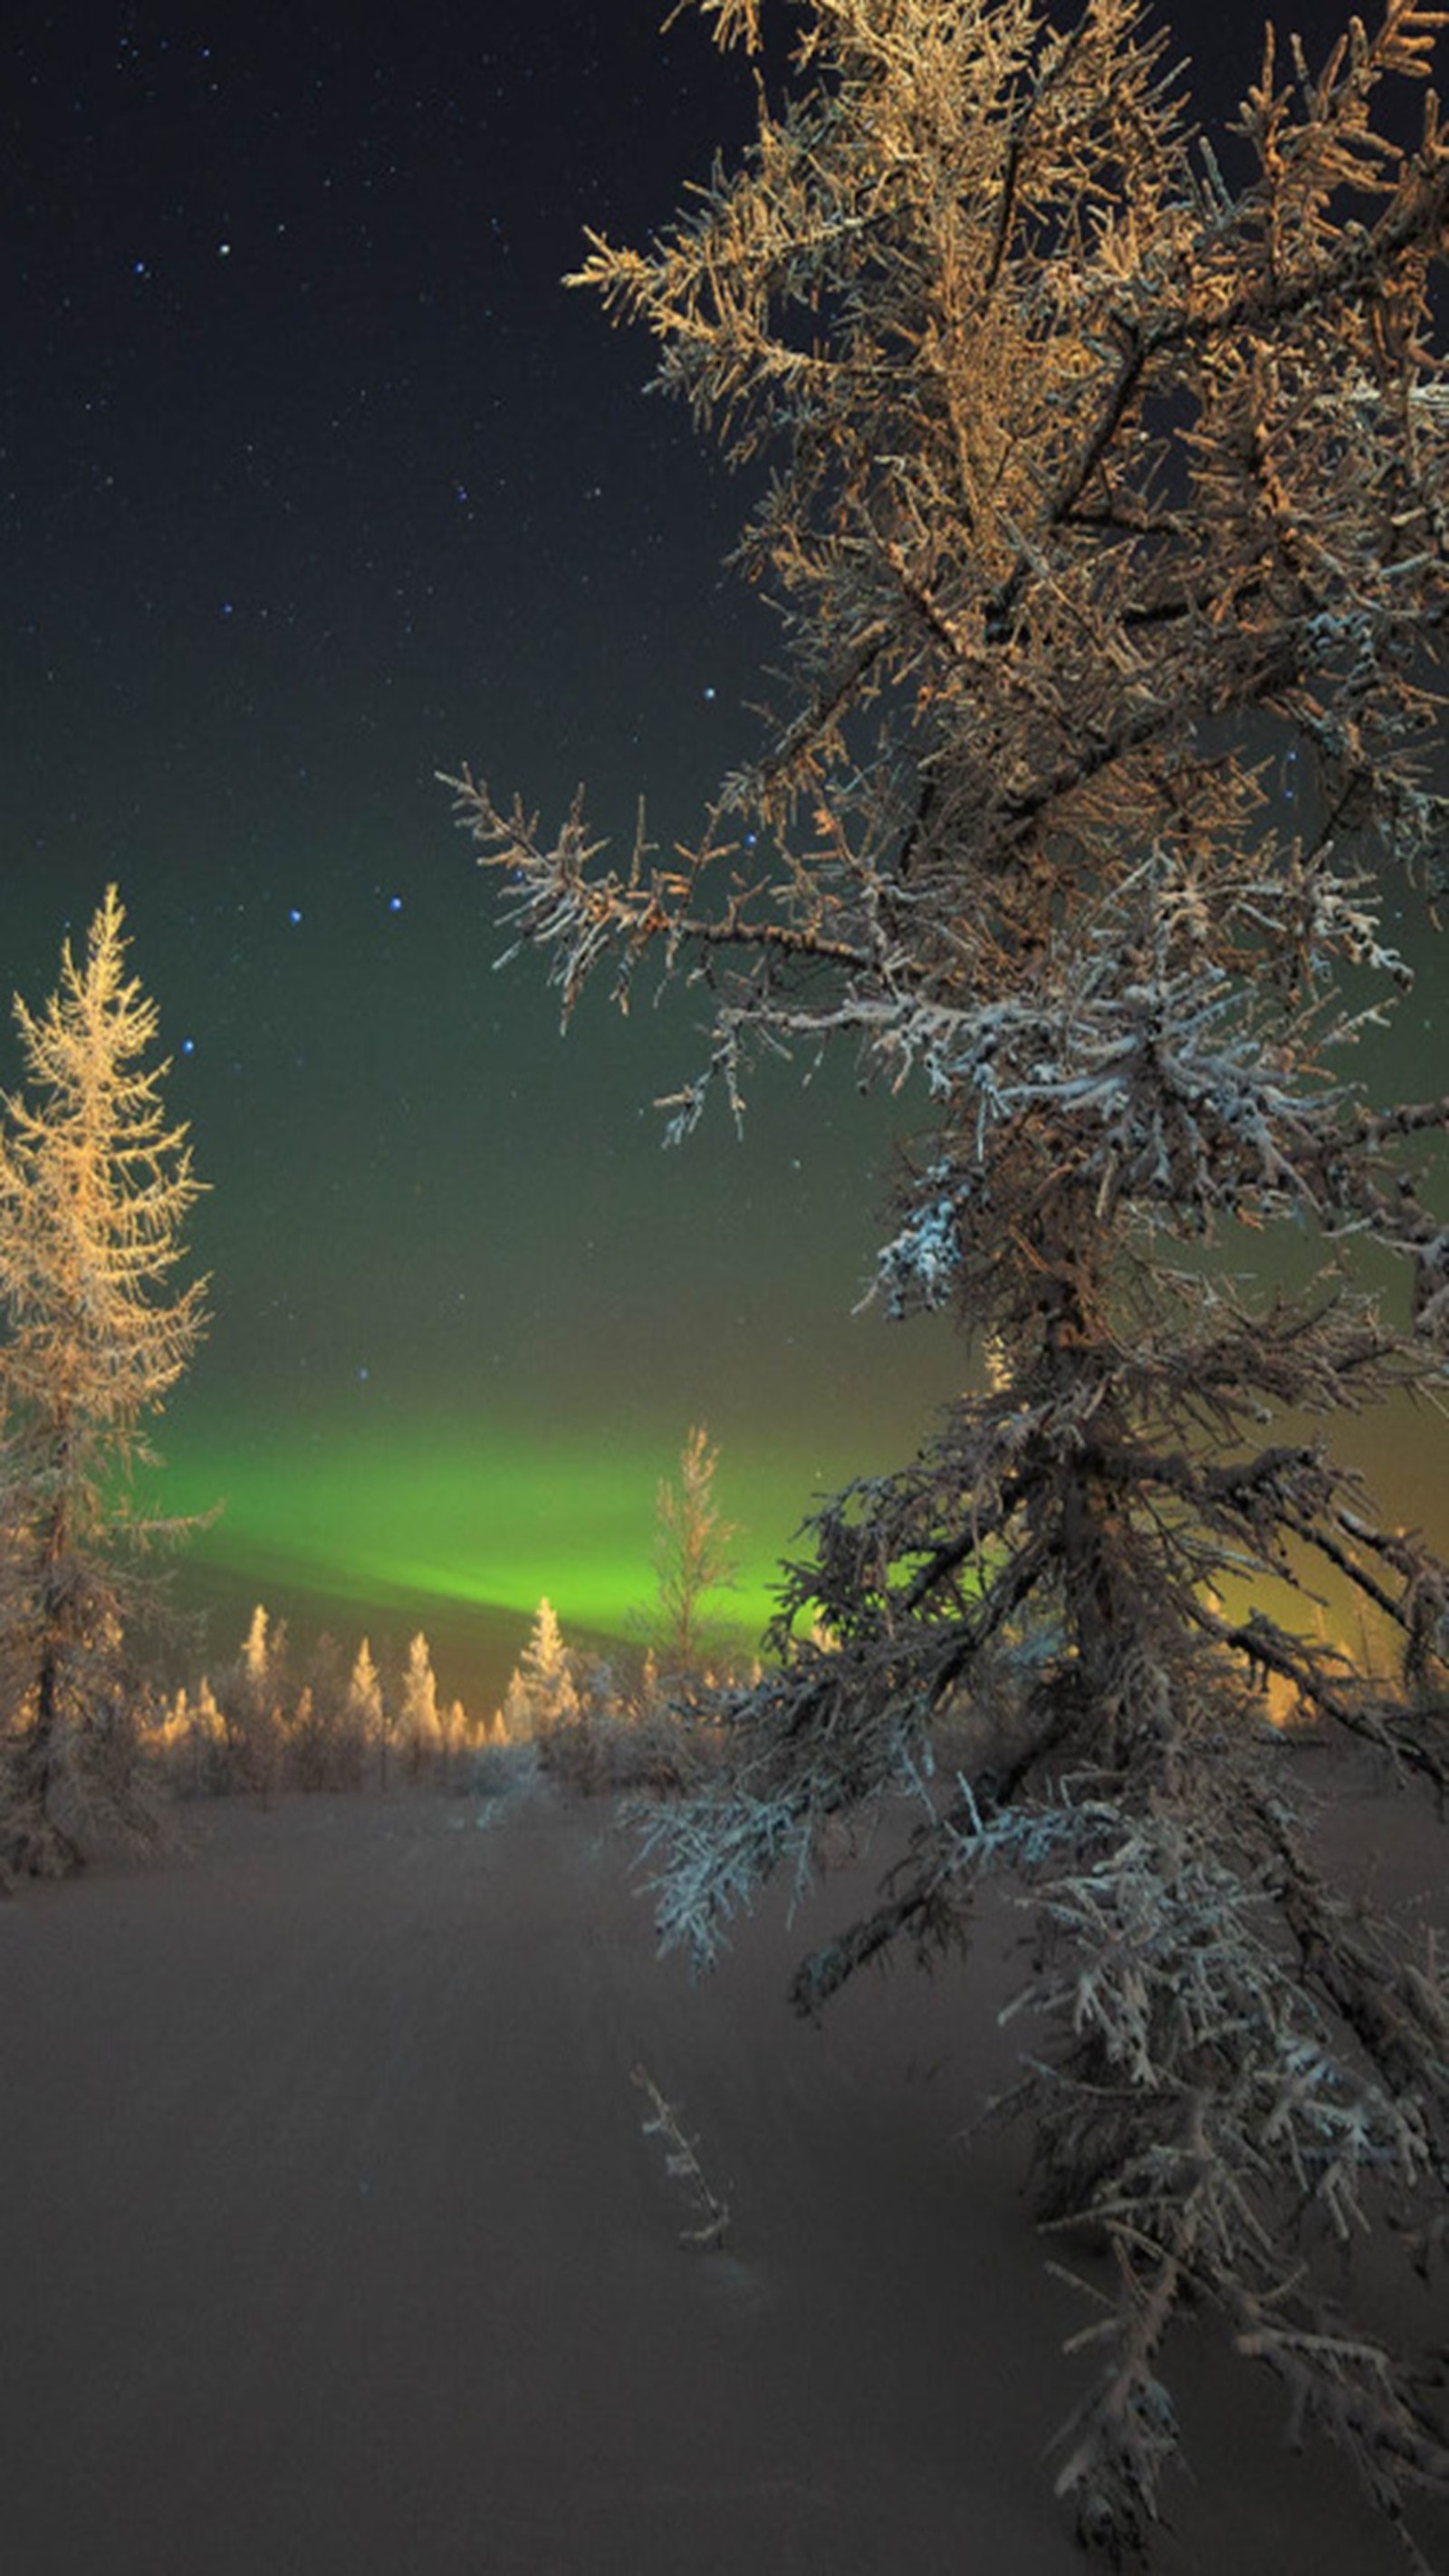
{"points": [[268, 1721]]}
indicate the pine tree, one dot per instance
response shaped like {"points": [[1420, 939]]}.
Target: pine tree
{"points": [[1104, 485], [95, 1185]]}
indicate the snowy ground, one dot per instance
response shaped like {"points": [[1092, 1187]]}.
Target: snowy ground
{"points": [[332, 2239]]}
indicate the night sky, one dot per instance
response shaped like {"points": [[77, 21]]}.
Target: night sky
{"points": [[315, 480]]}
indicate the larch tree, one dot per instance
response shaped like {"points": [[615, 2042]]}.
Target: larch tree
{"points": [[95, 1186], [1103, 481], [692, 1560]]}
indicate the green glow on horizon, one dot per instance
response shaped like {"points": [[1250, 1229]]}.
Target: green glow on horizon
{"points": [[477, 1517], [473, 1512]]}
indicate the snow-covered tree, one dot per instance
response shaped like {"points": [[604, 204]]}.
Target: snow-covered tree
{"points": [[95, 1186], [206, 1716], [419, 1729], [365, 1707], [263, 1657], [692, 1560], [513, 1721], [209, 1730], [364, 1688], [193, 1725], [547, 1670], [1108, 481], [326, 1745], [542, 1691], [264, 1673], [255, 1694]]}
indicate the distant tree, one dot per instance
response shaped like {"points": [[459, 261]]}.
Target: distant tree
{"points": [[95, 1185], [268, 1727], [364, 1690], [264, 1658], [548, 1671], [255, 1693], [198, 1729], [513, 1721], [419, 1728], [692, 1560], [365, 1706], [542, 1691], [1103, 483], [207, 1738], [177, 1733], [326, 1740]]}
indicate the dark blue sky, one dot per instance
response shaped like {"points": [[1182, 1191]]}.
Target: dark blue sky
{"points": [[313, 480]]}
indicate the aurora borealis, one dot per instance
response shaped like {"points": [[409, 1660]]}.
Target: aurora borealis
{"points": [[314, 480]]}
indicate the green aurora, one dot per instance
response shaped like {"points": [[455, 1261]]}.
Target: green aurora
{"points": [[470, 1517], [448, 1526]]}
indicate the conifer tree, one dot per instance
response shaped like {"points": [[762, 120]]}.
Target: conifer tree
{"points": [[542, 1691], [264, 1659], [691, 1560], [365, 1703], [255, 1692], [420, 1730], [95, 1186], [1104, 481], [513, 1721]]}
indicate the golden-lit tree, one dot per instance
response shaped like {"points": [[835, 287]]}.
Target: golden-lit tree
{"points": [[692, 1559], [366, 1709], [1104, 479], [420, 1729], [95, 1186], [542, 1691]]}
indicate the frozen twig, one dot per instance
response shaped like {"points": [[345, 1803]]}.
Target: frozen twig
{"points": [[681, 2163]]}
